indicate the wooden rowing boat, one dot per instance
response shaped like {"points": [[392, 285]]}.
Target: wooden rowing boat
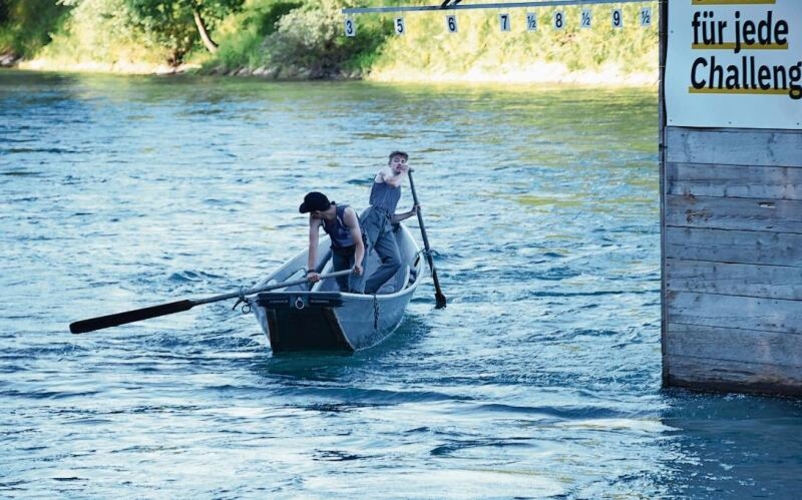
{"points": [[300, 318]]}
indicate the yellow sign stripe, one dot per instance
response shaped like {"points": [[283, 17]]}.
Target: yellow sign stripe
{"points": [[706, 90], [734, 2], [731, 46]]}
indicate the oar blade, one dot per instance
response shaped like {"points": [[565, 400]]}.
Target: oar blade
{"points": [[99, 323], [440, 301]]}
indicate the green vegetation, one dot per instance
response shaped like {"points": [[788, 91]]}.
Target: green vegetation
{"points": [[480, 47], [26, 25], [295, 39], [174, 24], [305, 39], [242, 35]]}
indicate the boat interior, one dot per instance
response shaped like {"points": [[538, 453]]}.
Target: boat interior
{"points": [[295, 269], [405, 276]]}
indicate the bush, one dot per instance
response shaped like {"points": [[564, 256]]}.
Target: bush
{"points": [[310, 39], [242, 35], [99, 31]]}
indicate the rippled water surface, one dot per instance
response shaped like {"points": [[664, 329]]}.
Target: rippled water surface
{"points": [[541, 379]]}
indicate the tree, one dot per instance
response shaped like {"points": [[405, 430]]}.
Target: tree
{"points": [[26, 25], [177, 24]]}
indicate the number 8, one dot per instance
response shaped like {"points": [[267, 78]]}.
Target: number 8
{"points": [[558, 20]]}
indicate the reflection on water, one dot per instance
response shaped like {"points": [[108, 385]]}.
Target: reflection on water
{"points": [[541, 379]]}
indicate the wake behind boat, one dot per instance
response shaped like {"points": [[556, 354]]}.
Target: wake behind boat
{"points": [[300, 318]]}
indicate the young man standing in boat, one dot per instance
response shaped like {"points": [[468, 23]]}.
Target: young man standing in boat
{"points": [[378, 220], [341, 223]]}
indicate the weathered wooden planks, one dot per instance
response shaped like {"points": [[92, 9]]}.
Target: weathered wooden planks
{"points": [[726, 376], [749, 147], [743, 214], [734, 312], [732, 259], [741, 247], [744, 280], [732, 181], [751, 346]]}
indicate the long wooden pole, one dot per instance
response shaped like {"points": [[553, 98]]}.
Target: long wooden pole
{"points": [[438, 295]]}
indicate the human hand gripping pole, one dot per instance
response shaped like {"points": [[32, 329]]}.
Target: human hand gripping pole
{"points": [[101, 322], [440, 299]]}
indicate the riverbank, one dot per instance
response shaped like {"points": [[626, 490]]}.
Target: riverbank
{"points": [[119, 68], [308, 44], [534, 73]]}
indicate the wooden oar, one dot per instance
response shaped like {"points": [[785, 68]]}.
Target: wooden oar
{"points": [[92, 324], [440, 299]]}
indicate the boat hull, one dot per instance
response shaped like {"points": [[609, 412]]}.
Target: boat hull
{"points": [[324, 319]]}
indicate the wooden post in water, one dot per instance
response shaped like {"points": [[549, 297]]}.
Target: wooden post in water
{"points": [[731, 197]]}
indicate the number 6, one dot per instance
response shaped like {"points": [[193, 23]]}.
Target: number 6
{"points": [[451, 21]]}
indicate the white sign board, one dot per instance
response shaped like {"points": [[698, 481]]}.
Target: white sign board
{"points": [[734, 64]]}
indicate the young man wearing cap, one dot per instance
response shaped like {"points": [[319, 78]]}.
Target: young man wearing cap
{"points": [[347, 246], [378, 220]]}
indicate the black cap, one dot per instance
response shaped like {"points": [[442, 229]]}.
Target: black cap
{"points": [[399, 153], [314, 201]]}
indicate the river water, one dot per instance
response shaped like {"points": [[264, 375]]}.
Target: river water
{"points": [[541, 379]]}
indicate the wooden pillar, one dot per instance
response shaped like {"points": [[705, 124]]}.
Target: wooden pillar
{"points": [[731, 236], [732, 259]]}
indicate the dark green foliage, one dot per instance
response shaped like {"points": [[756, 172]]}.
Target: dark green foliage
{"points": [[264, 22], [172, 25], [26, 25], [167, 22], [4, 12], [162, 9]]}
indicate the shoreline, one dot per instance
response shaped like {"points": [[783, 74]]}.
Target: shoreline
{"points": [[537, 73]]}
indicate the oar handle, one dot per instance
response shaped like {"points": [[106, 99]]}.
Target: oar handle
{"points": [[267, 288], [101, 322]]}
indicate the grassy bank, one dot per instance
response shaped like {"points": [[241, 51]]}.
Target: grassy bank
{"points": [[304, 39], [481, 51]]}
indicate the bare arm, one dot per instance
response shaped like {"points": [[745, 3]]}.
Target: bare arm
{"points": [[314, 241], [352, 221], [405, 215]]}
